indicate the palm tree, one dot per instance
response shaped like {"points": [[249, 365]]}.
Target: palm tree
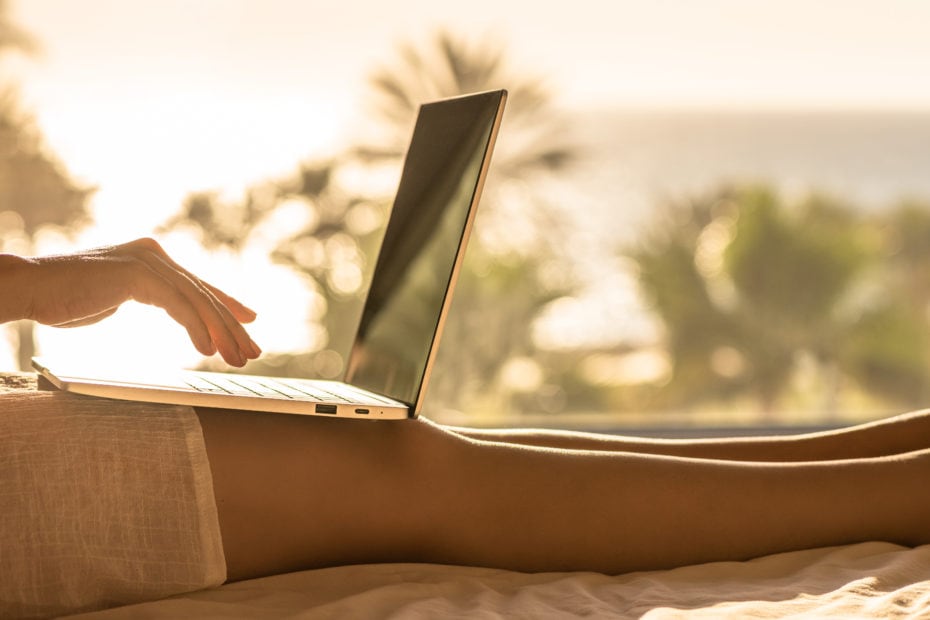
{"points": [[35, 190], [448, 66], [505, 281], [500, 291]]}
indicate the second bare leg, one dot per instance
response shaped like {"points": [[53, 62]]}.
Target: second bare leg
{"points": [[894, 435], [297, 492]]}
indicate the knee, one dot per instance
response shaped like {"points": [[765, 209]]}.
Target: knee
{"points": [[420, 448]]}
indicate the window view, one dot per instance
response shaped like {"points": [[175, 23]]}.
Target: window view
{"points": [[697, 215]]}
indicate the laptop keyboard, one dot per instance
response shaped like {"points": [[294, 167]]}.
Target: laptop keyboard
{"points": [[242, 385]]}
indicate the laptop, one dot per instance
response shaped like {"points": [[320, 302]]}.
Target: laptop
{"points": [[390, 361]]}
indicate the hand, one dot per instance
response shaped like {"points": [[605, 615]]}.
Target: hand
{"points": [[82, 288]]}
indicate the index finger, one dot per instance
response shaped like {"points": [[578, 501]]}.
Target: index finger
{"points": [[225, 331]]}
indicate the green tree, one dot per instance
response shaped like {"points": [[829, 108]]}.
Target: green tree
{"points": [[746, 287], [890, 353], [36, 191], [696, 323]]}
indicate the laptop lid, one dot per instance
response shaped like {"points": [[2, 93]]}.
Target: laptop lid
{"points": [[423, 246]]}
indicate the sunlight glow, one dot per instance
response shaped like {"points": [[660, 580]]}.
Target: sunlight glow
{"points": [[149, 101], [648, 366]]}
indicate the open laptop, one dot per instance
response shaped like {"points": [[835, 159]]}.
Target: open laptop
{"points": [[390, 361]]}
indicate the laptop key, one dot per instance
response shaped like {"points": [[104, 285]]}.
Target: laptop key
{"points": [[307, 391], [203, 386], [260, 389], [213, 390]]}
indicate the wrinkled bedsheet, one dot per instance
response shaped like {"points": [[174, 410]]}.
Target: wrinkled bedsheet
{"points": [[868, 580]]}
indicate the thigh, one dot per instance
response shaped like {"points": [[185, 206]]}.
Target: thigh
{"points": [[296, 492]]}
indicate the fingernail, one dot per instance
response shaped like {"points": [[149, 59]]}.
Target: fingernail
{"points": [[232, 357], [206, 347], [249, 310]]}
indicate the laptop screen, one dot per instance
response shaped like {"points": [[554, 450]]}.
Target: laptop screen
{"points": [[423, 245]]}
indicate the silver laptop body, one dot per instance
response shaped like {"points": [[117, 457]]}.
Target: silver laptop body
{"points": [[411, 289]]}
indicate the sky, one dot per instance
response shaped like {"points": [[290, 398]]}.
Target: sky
{"points": [[149, 100], [218, 93], [169, 94]]}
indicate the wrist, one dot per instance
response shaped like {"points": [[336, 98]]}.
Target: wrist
{"points": [[15, 293]]}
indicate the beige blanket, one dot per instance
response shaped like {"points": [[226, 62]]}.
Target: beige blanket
{"points": [[870, 580]]}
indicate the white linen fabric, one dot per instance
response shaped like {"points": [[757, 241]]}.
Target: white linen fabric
{"points": [[868, 580], [102, 503]]}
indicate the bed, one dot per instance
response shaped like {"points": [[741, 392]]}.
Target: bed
{"points": [[867, 580]]}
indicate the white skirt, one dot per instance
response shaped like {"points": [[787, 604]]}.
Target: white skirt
{"points": [[102, 503]]}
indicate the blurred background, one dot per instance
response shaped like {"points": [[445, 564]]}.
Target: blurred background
{"points": [[700, 215]]}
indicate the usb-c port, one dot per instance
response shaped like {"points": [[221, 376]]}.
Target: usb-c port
{"points": [[362, 411]]}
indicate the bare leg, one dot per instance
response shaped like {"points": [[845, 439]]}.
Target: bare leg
{"points": [[298, 492], [895, 435]]}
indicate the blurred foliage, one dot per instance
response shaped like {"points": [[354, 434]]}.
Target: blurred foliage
{"points": [[448, 65], [762, 303], [36, 191], [754, 294], [335, 246], [500, 290], [33, 183], [807, 304], [12, 37], [331, 232]]}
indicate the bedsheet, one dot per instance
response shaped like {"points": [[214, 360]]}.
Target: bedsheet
{"points": [[867, 580]]}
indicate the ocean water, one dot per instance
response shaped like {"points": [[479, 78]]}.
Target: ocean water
{"points": [[632, 160]]}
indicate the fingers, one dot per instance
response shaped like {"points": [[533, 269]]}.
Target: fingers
{"points": [[231, 340], [243, 313], [152, 288], [213, 319], [240, 311], [77, 289]]}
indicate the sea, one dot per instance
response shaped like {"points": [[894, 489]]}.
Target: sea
{"points": [[630, 159]]}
